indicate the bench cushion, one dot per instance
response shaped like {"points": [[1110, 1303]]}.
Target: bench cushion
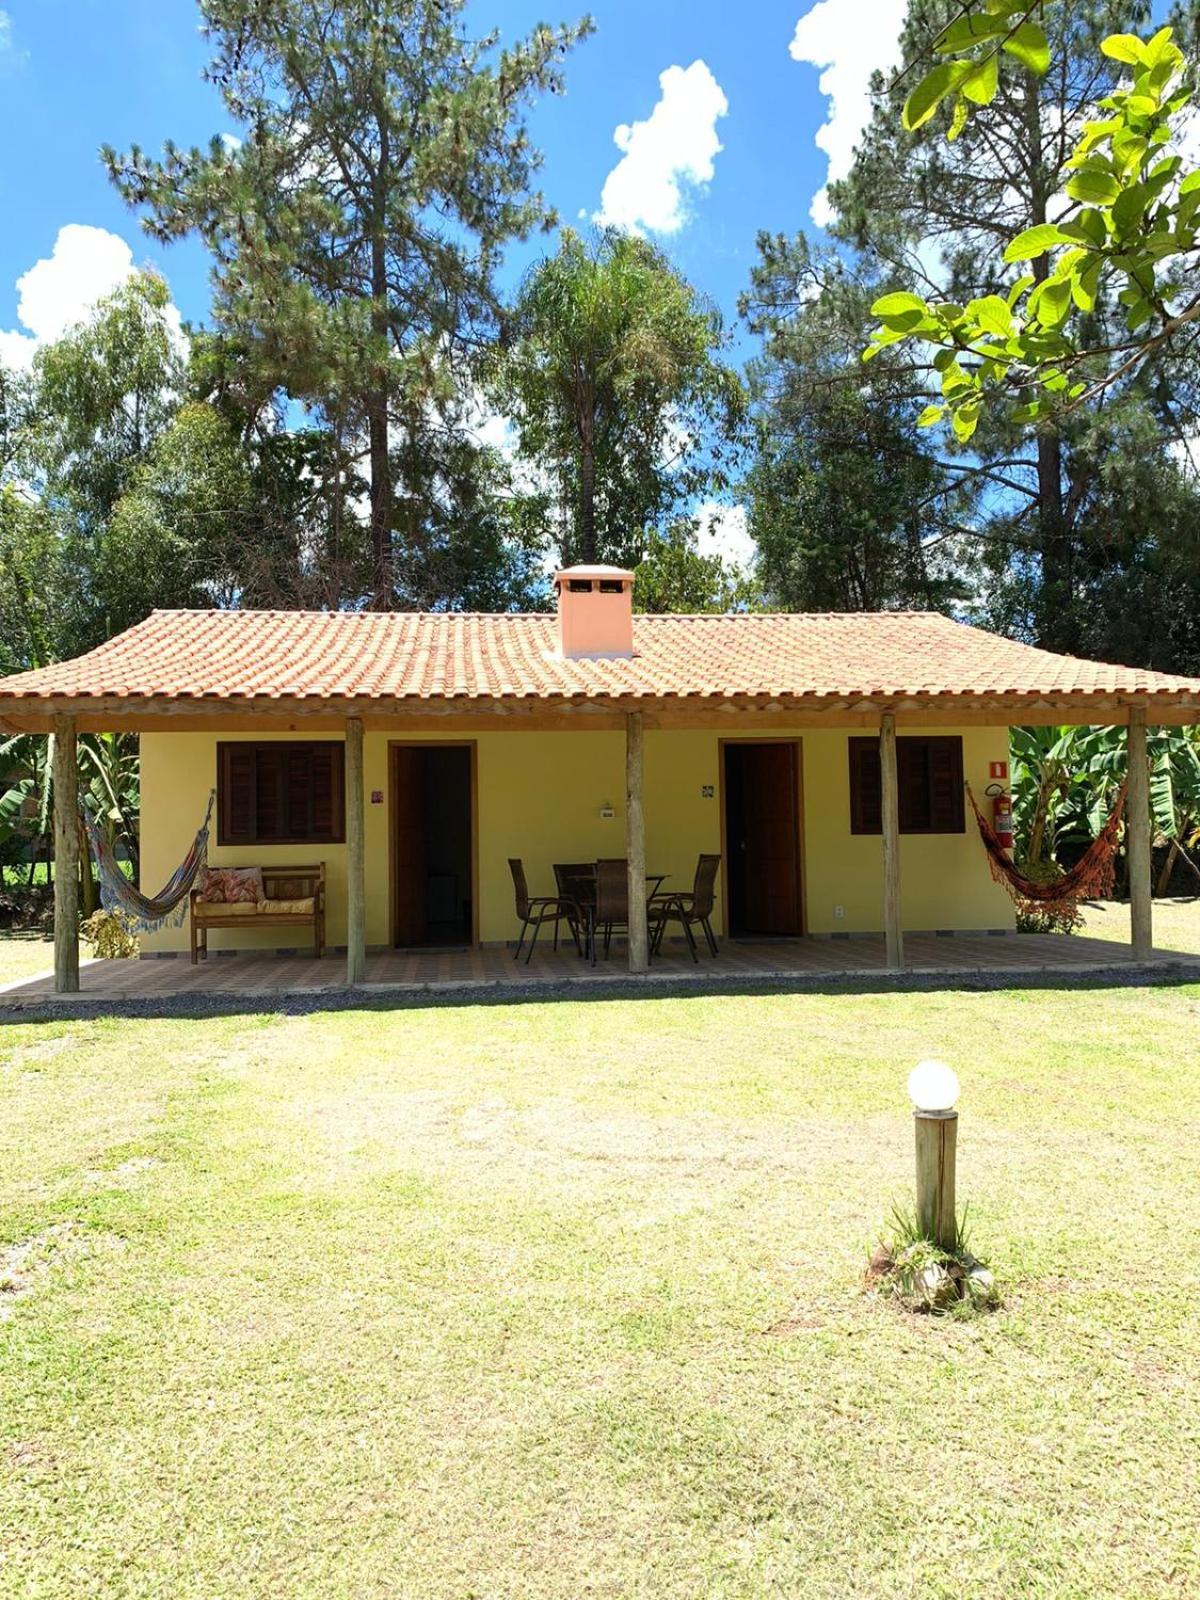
{"points": [[293, 908], [232, 885], [202, 909]]}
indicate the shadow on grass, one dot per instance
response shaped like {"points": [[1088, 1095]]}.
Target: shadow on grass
{"points": [[1167, 974]]}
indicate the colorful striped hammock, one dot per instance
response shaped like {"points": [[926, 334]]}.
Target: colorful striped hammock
{"points": [[147, 912], [1091, 878]]}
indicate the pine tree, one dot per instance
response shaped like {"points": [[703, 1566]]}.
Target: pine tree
{"points": [[383, 165]]}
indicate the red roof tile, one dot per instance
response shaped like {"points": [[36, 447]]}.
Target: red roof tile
{"points": [[235, 655]]}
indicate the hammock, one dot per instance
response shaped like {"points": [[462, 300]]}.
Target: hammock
{"points": [[147, 912], [1091, 878]]}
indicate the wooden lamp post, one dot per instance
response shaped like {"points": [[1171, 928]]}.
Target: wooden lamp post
{"points": [[933, 1089]]}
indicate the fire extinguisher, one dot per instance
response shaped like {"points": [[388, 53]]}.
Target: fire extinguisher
{"points": [[1002, 823]]}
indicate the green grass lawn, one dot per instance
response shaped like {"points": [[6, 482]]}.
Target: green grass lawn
{"points": [[557, 1300]]}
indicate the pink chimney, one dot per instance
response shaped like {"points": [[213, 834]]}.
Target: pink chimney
{"points": [[595, 611]]}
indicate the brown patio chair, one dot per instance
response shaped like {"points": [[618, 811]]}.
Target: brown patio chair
{"points": [[535, 910], [689, 909], [576, 884], [612, 902]]}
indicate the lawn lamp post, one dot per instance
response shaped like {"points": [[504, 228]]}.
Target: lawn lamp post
{"points": [[933, 1089]]}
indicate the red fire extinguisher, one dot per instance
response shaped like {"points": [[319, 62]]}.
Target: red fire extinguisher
{"points": [[1002, 823]]}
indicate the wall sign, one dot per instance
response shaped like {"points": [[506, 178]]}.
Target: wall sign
{"points": [[998, 769]]}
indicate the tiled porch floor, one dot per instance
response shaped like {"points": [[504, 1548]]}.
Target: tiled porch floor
{"points": [[807, 961]]}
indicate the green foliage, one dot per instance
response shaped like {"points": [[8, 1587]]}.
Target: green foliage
{"points": [[673, 576], [847, 508], [911, 1269], [1136, 221], [610, 372]]}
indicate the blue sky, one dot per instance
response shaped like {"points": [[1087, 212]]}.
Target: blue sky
{"points": [[77, 73]]}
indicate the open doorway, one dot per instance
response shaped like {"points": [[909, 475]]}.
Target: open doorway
{"points": [[433, 854], [762, 811]]}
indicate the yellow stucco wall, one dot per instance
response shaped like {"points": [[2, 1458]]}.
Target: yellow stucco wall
{"points": [[540, 796]]}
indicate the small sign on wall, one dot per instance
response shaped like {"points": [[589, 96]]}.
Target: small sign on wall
{"points": [[998, 769], [376, 797]]}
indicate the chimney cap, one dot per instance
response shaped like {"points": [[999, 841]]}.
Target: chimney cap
{"points": [[608, 574]]}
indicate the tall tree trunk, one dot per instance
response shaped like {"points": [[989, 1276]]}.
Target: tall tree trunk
{"points": [[377, 427], [1055, 612], [381, 502], [587, 496]]}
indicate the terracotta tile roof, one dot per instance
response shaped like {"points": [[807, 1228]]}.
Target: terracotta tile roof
{"points": [[234, 655]]}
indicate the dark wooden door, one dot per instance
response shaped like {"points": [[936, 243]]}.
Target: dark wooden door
{"points": [[408, 842], [764, 851]]}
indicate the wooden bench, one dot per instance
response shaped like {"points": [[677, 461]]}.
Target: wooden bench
{"points": [[295, 897]]}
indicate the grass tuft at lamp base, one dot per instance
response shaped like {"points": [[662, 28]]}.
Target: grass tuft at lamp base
{"points": [[924, 1278]]}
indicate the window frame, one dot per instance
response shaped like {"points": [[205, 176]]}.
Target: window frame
{"points": [[337, 832], [952, 743]]}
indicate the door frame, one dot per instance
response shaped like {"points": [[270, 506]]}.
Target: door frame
{"points": [[801, 875], [471, 746]]}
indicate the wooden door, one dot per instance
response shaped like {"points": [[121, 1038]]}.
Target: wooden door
{"points": [[408, 843], [766, 856]]}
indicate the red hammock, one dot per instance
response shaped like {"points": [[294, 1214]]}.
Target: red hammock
{"points": [[1091, 878]]}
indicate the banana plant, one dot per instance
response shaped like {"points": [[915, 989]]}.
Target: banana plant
{"points": [[1175, 794], [108, 786]]}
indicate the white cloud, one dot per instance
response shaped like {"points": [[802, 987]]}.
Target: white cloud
{"points": [[61, 290], [724, 531], [672, 151], [231, 142], [6, 39], [849, 40]]}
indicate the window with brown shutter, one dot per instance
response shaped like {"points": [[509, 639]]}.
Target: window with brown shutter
{"points": [[929, 775], [281, 793]]}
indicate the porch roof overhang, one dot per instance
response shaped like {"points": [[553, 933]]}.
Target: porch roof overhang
{"points": [[248, 671], [103, 714]]}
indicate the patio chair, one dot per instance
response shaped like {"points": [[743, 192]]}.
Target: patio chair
{"points": [[576, 885], [689, 909], [535, 910], [612, 902]]}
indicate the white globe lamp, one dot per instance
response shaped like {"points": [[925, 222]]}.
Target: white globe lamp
{"points": [[933, 1086]]}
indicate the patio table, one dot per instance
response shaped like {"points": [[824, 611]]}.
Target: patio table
{"points": [[583, 882]]}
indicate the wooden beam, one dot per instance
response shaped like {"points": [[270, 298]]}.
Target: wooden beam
{"points": [[890, 798], [356, 932], [66, 857], [635, 842], [1138, 814], [29, 714]]}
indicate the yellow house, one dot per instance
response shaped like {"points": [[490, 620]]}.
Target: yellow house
{"points": [[823, 758]]}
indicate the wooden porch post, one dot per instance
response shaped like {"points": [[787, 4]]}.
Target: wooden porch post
{"points": [[635, 842], [1137, 812], [356, 944], [890, 808], [66, 858]]}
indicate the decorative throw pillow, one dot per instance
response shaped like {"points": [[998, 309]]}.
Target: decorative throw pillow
{"points": [[244, 885], [212, 886]]}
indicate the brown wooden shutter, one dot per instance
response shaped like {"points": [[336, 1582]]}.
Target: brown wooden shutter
{"points": [[269, 812], [929, 779], [866, 787], [912, 781], [327, 788], [946, 804], [235, 794]]}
